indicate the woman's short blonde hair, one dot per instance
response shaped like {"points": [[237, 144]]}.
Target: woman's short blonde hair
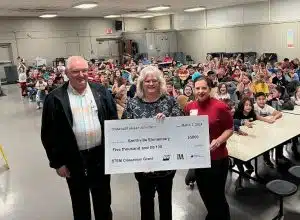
{"points": [[144, 73]]}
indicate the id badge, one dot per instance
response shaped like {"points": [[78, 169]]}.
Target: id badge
{"points": [[193, 112]]}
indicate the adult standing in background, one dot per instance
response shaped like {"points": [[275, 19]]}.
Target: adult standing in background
{"points": [[62, 70], [22, 81], [211, 181], [151, 101], [73, 137]]}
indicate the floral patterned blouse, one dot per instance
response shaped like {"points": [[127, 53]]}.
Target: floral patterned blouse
{"points": [[137, 108]]}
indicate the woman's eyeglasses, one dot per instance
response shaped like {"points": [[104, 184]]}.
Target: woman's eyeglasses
{"points": [[148, 82]]}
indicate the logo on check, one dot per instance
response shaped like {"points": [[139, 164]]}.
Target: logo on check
{"points": [[195, 156], [166, 157], [180, 157]]}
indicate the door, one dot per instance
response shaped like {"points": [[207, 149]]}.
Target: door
{"points": [[162, 44], [114, 49], [107, 49], [5, 58]]}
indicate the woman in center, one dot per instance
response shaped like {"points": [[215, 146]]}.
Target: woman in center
{"points": [[152, 101], [211, 181]]}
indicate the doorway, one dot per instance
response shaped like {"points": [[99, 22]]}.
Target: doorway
{"points": [[162, 44], [109, 48], [6, 58]]}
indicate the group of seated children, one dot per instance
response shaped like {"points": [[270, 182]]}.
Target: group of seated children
{"points": [[256, 91], [37, 83], [246, 113]]}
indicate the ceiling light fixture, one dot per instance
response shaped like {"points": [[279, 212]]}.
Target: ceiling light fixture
{"points": [[48, 16], [147, 16], [194, 9], [112, 16], [86, 5], [159, 8]]}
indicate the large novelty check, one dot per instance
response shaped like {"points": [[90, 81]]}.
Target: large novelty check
{"points": [[146, 145]]}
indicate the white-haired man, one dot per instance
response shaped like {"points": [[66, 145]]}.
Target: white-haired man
{"points": [[73, 136]]}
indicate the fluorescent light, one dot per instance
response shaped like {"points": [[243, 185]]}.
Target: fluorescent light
{"points": [[194, 9], [48, 16], [86, 5], [159, 8], [147, 16], [132, 15], [112, 16]]}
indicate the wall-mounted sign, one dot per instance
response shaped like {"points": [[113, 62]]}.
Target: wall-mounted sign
{"points": [[108, 31]]}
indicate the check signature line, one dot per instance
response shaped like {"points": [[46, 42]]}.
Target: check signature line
{"points": [[199, 145], [118, 142]]}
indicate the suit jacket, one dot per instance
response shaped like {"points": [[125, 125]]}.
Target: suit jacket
{"points": [[57, 134]]}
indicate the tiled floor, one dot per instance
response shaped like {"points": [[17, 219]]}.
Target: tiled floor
{"points": [[30, 190]]}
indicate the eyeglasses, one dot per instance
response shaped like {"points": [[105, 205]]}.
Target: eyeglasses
{"points": [[148, 82], [77, 72]]}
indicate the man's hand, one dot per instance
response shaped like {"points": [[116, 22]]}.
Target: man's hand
{"points": [[271, 120], [63, 172]]}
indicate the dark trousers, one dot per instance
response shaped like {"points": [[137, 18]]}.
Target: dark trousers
{"points": [[240, 164], [23, 88], [295, 145], [93, 181], [190, 177], [279, 149], [266, 156], [148, 186], [211, 184]]}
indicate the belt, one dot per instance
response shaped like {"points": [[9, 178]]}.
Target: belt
{"points": [[89, 151]]}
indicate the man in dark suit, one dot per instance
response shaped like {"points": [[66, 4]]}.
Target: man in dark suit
{"points": [[73, 136]]}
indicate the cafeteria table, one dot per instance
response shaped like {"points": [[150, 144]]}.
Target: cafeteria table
{"points": [[296, 110], [262, 138]]}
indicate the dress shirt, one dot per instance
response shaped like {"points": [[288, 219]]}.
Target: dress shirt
{"points": [[86, 124]]}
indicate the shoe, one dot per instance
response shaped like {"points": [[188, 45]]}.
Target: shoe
{"points": [[297, 156], [38, 107], [191, 185], [238, 189], [269, 164], [284, 160], [249, 172]]}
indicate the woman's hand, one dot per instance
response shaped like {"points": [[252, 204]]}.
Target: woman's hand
{"points": [[160, 116], [214, 144]]}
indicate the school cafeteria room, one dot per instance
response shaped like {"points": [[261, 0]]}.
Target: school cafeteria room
{"points": [[144, 110]]}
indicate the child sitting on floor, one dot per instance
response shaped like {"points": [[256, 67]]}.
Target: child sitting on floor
{"points": [[222, 93], [279, 99], [260, 84], [267, 112], [41, 86], [296, 98]]}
